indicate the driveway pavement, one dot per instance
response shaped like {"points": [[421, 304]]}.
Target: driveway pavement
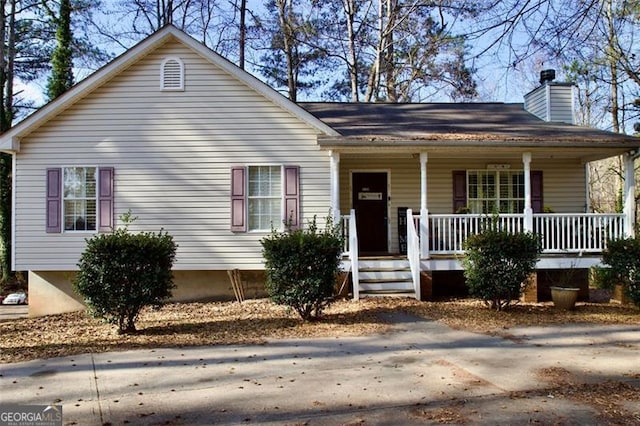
{"points": [[421, 373], [9, 312]]}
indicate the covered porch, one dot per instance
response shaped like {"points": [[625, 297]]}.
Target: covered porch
{"points": [[425, 215], [415, 180]]}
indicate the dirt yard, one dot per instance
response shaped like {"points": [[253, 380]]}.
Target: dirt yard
{"points": [[223, 323]]}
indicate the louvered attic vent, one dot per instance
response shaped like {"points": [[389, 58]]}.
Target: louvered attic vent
{"points": [[172, 74]]}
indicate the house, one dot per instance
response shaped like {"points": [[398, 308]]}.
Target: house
{"points": [[192, 144]]}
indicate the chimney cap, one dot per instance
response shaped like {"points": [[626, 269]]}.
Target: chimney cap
{"points": [[547, 76]]}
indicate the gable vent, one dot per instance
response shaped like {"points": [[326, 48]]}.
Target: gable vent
{"points": [[172, 74]]}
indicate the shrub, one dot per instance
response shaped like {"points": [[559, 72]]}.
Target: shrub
{"points": [[120, 273], [497, 265], [301, 267], [623, 258]]}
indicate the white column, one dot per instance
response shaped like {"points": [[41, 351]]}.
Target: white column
{"points": [[528, 211], [335, 185], [424, 212], [629, 196], [587, 189]]}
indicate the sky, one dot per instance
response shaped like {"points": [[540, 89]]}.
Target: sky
{"points": [[496, 82]]}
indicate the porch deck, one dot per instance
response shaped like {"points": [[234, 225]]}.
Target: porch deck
{"points": [[571, 240]]}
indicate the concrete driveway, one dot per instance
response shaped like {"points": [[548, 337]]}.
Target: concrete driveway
{"points": [[8, 312], [421, 373]]}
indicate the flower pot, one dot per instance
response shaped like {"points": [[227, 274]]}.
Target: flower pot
{"points": [[564, 297]]}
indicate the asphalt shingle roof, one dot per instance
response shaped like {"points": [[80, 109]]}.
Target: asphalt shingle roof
{"points": [[387, 122]]}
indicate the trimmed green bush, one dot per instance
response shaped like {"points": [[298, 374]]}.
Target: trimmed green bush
{"points": [[302, 266], [623, 260], [497, 265], [120, 273]]}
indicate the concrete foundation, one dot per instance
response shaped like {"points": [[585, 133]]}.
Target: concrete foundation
{"points": [[51, 292]]}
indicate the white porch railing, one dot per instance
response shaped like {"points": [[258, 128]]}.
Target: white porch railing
{"points": [[353, 255], [448, 232], [580, 232], [413, 253], [344, 230], [560, 232]]}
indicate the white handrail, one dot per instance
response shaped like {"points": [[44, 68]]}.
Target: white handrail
{"points": [[353, 254], [560, 232], [578, 232], [344, 229], [413, 252], [448, 232]]}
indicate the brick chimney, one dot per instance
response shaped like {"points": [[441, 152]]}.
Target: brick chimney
{"points": [[551, 101]]}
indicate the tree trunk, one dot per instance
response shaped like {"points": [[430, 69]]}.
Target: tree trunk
{"points": [[373, 85], [352, 63], [612, 59], [389, 54], [285, 15], [243, 32], [8, 32]]}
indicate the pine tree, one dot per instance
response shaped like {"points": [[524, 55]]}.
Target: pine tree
{"points": [[61, 78]]}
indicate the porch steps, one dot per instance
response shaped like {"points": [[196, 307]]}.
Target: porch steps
{"points": [[385, 277]]}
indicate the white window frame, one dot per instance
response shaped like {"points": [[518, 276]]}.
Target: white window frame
{"points": [[64, 198], [251, 198], [163, 76], [477, 204]]}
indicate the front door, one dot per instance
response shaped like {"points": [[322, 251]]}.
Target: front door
{"points": [[370, 204]]}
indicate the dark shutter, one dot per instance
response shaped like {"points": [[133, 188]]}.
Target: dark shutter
{"points": [[292, 196], [459, 189], [537, 203], [105, 199], [54, 200], [238, 199]]}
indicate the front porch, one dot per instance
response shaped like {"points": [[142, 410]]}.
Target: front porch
{"points": [[569, 241], [428, 241]]}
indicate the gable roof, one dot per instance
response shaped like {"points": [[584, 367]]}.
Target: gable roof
{"points": [[10, 140], [427, 124]]}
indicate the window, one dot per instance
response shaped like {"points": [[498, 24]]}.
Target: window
{"points": [[79, 198], [264, 197], [491, 191], [172, 74]]}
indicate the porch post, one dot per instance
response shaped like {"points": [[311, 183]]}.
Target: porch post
{"points": [[335, 185], [424, 212], [629, 196], [528, 211]]}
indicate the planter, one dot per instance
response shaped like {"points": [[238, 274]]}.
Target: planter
{"points": [[564, 297]]}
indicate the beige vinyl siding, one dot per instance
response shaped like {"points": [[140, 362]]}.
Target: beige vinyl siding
{"points": [[561, 104], [563, 181], [172, 153], [551, 102], [536, 103]]}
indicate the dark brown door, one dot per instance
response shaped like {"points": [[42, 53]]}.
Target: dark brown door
{"points": [[370, 204]]}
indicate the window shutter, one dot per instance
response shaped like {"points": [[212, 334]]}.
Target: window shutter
{"points": [[537, 203], [105, 199], [292, 196], [54, 200], [238, 199], [459, 189]]}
